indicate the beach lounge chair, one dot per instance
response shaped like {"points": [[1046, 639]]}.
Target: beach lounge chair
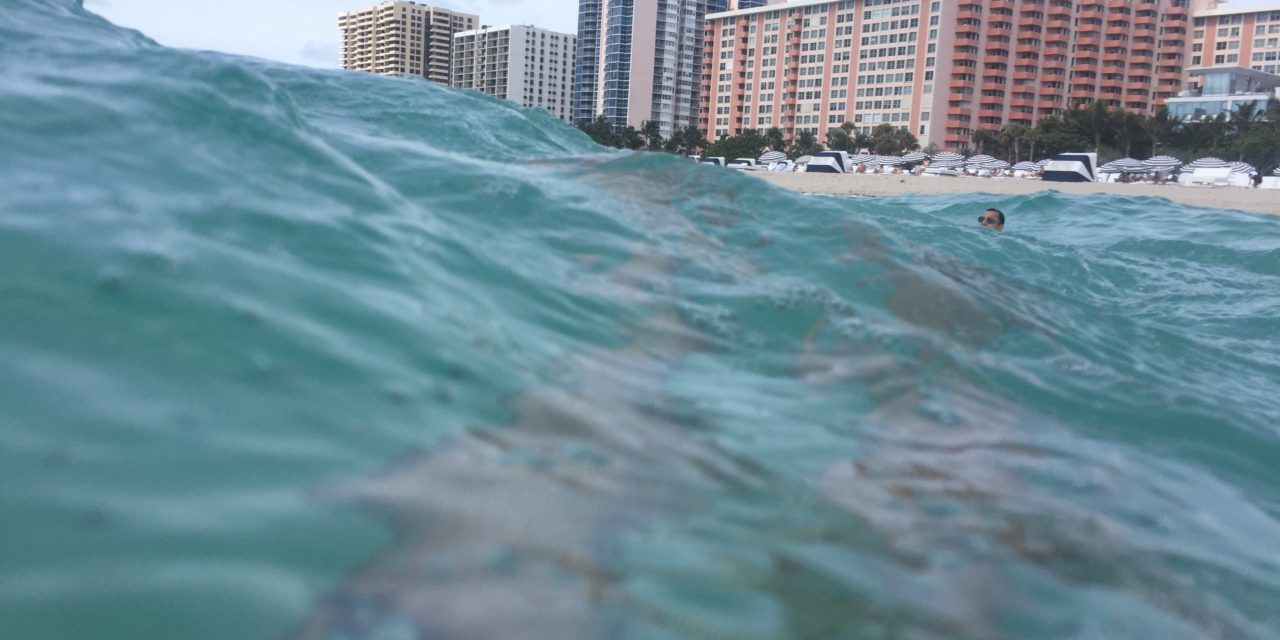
{"points": [[1208, 177]]}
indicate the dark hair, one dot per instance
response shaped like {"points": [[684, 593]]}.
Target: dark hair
{"points": [[999, 213]]}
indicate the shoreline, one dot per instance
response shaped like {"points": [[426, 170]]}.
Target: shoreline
{"points": [[1265, 201]]}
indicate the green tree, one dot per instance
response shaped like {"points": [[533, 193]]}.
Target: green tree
{"points": [[984, 140], [748, 144], [631, 139], [1012, 136], [1160, 129], [1129, 131], [1094, 122], [805, 144], [1035, 135], [601, 131], [842, 139], [652, 133], [686, 141], [887, 139], [776, 140]]}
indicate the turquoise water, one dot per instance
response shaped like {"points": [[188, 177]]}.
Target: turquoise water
{"points": [[292, 353]]}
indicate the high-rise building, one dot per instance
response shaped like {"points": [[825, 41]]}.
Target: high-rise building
{"points": [[638, 61], [1233, 62], [1228, 37], [938, 69], [524, 64], [402, 38]]}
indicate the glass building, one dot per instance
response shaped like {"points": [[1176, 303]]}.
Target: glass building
{"points": [[1218, 90], [640, 61]]}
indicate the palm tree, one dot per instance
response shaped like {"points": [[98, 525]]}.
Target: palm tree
{"points": [[1160, 129], [776, 140], [1129, 129], [1094, 122], [1244, 117], [1012, 135], [983, 139], [1034, 136]]}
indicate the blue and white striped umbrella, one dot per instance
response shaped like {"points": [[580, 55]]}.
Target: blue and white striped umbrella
{"points": [[1242, 167], [915, 156], [947, 159], [1209, 163], [1044, 163], [771, 156], [862, 158], [1277, 171], [1162, 163], [996, 165], [1123, 165], [978, 161], [1026, 165], [889, 161]]}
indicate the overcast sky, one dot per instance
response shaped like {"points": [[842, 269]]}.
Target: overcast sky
{"points": [[306, 31], [297, 31]]}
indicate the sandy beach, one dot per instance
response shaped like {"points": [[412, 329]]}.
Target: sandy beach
{"points": [[1254, 200]]}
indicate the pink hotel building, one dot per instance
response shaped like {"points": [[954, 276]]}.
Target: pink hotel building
{"points": [[940, 68]]}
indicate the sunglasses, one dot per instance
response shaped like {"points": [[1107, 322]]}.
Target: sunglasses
{"points": [[988, 220]]}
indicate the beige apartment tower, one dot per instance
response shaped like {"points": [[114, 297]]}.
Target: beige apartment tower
{"points": [[521, 63], [943, 69], [402, 38]]}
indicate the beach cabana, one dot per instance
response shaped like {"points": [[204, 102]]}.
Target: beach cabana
{"points": [[1272, 181], [1072, 167], [1206, 172]]}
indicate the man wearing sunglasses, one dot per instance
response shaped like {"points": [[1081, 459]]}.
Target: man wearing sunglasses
{"points": [[992, 219]]}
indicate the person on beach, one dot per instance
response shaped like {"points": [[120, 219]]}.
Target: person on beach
{"points": [[992, 219], [1256, 179]]}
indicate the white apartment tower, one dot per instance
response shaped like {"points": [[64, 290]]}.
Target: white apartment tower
{"points": [[402, 38], [524, 64]]}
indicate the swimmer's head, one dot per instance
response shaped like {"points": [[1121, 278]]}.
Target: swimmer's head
{"points": [[992, 219]]}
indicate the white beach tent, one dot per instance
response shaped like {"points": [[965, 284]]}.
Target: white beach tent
{"points": [[1071, 167], [1271, 181], [1241, 174], [1206, 172]]}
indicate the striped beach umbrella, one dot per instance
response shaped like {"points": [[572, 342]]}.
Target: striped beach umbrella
{"points": [[995, 165], [862, 158], [771, 156], [947, 159], [1162, 163], [1110, 167], [1044, 163], [1026, 165], [1277, 171], [1209, 163], [915, 156], [979, 160], [1129, 165], [1242, 167], [889, 161]]}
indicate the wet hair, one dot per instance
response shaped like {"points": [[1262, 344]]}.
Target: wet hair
{"points": [[998, 213]]}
